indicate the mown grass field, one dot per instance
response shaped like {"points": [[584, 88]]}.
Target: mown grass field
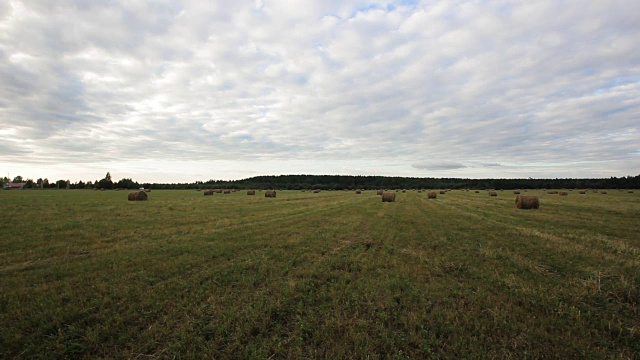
{"points": [[87, 274]]}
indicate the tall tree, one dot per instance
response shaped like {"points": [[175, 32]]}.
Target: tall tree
{"points": [[105, 183]]}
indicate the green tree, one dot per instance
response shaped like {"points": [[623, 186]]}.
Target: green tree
{"points": [[105, 183]]}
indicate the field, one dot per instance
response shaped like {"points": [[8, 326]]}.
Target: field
{"points": [[87, 274]]}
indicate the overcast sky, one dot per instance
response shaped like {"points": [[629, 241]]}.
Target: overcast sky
{"points": [[178, 91]]}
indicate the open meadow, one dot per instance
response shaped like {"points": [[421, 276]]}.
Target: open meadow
{"points": [[88, 274]]}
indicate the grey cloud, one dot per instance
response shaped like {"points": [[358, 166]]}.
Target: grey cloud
{"points": [[438, 165], [497, 83]]}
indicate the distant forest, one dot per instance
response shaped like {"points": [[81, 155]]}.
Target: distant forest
{"points": [[340, 182]]}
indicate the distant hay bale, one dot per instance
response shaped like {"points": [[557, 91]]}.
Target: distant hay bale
{"points": [[442, 192], [138, 196], [217, 191], [404, 190], [552, 192], [477, 191], [358, 191], [251, 192], [594, 190], [493, 193], [563, 193], [270, 194], [516, 192], [316, 191], [227, 191], [208, 192], [147, 190], [527, 202], [630, 191], [603, 192], [379, 192], [388, 197], [432, 195], [582, 192]]}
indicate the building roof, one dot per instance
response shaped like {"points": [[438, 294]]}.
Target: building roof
{"points": [[13, 185]]}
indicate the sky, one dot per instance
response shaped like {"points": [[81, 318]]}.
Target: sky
{"points": [[179, 91]]}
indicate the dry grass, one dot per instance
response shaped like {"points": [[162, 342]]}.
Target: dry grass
{"points": [[389, 197], [527, 202], [137, 196]]}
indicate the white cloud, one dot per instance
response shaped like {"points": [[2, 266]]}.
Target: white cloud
{"points": [[520, 83]]}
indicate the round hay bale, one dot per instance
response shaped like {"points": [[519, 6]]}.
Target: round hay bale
{"points": [[442, 192], [270, 194], [251, 192], [208, 192], [227, 191], [316, 191], [516, 192], [379, 192], [388, 197], [432, 195], [137, 196], [527, 202], [563, 193], [630, 191], [603, 192], [582, 192], [493, 193], [404, 190], [358, 191], [477, 191]]}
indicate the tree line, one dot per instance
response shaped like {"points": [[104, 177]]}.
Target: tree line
{"points": [[340, 182]]}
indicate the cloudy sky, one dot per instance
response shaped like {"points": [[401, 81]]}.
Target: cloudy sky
{"points": [[173, 91]]}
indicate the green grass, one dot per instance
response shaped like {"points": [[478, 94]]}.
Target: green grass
{"points": [[87, 274]]}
